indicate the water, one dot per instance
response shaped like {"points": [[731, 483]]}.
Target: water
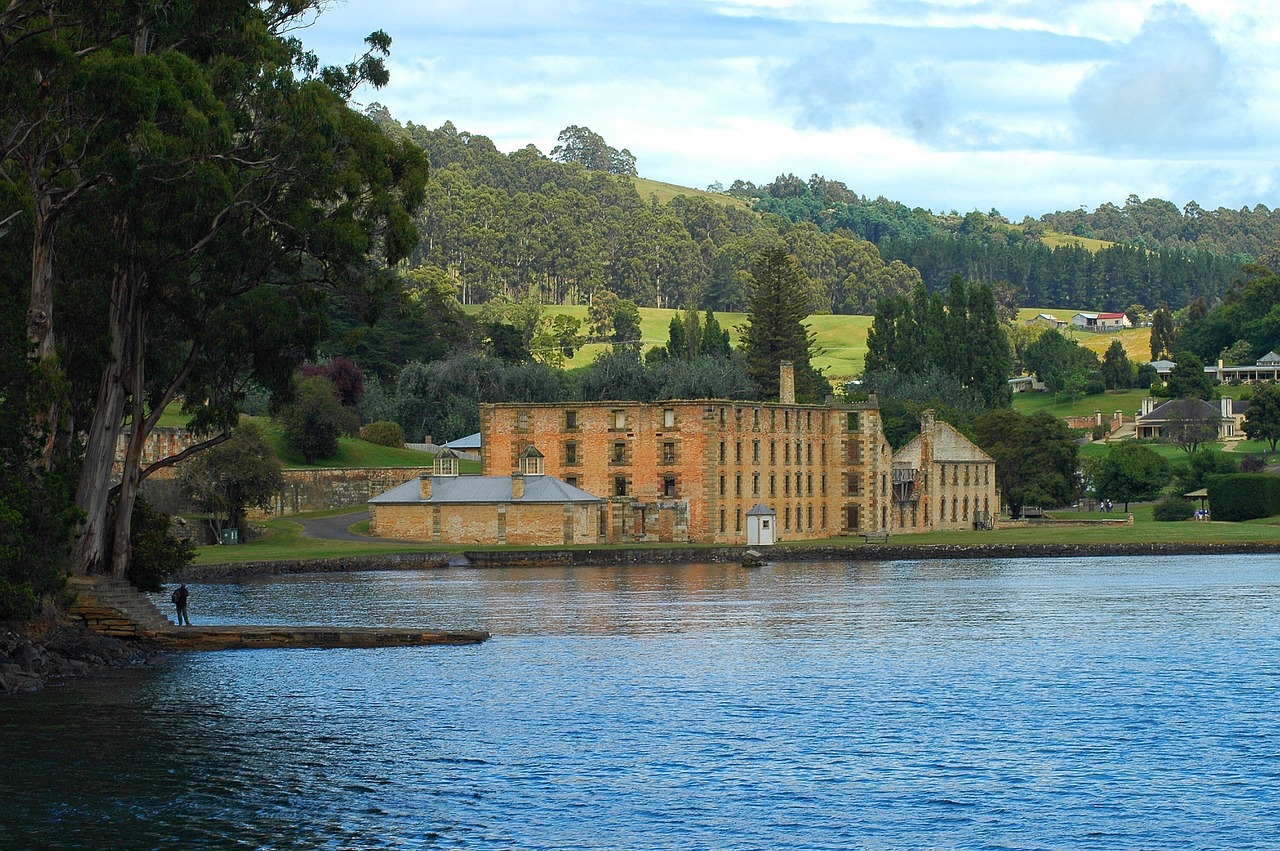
{"points": [[1113, 703]]}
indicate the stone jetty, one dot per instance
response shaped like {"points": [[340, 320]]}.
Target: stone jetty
{"points": [[114, 607]]}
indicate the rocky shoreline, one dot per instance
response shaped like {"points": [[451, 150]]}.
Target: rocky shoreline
{"points": [[704, 555], [35, 653]]}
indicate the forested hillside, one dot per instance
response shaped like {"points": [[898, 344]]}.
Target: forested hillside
{"points": [[986, 247], [511, 225]]}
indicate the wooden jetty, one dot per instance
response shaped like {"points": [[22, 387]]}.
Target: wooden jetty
{"points": [[114, 607]]}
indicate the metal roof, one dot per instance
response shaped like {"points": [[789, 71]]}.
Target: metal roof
{"points": [[483, 489]]}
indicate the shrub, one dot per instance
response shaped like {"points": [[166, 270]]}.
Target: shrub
{"points": [[1172, 509], [1252, 464], [157, 554], [384, 433], [1244, 496]]}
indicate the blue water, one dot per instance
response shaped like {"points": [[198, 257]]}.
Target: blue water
{"points": [[1114, 703]]}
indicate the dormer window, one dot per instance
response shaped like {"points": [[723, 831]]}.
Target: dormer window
{"points": [[446, 463], [531, 461]]}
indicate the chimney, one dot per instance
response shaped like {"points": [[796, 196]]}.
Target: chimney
{"points": [[1227, 407], [787, 383], [425, 483], [517, 485], [927, 417], [1097, 417]]}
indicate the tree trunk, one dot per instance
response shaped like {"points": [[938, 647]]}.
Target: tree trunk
{"points": [[93, 494], [140, 428]]}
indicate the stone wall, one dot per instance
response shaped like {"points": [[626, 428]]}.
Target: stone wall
{"points": [[304, 490]]}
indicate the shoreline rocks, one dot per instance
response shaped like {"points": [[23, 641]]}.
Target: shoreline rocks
{"points": [[32, 654]]}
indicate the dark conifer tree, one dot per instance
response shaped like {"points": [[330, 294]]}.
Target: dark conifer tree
{"points": [[776, 308]]}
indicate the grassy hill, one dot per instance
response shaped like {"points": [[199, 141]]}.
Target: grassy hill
{"points": [[1054, 239], [1136, 341], [664, 192], [841, 340]]}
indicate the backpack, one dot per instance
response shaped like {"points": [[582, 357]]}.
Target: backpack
{"points": [[173, 598]]}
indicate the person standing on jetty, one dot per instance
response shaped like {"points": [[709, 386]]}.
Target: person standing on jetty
{"points": [[179, 599]]}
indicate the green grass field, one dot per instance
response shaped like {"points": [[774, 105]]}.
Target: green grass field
{"points": [[284, 540], [664, 192]]}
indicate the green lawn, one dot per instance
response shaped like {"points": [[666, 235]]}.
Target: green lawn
{"points": [[667, 191], [284, 539]]}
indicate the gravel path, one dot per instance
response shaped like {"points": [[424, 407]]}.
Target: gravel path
{"points": [[334, 528]]}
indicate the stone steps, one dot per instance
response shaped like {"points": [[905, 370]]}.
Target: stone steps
{"points": [[114, 607]]}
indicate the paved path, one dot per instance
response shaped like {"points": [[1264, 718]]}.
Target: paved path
{"points": [[335, 528]]}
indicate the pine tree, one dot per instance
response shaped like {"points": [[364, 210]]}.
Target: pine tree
{"points": [[776, 308]]}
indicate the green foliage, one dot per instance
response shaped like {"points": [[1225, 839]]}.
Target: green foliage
{"points": [[904, 396], [157, 553], [775, 332], [314, 419], [233, 475], [1117, 371], [583, 146], [441, 398], [1262, 420], [1035, 457], [383, 433], [1163, 334], [1172, 509], [1249, 313], [963, 339], [1201, 466], [1188, 380], [1244, 496], [1130, 472], [1062, 364]]}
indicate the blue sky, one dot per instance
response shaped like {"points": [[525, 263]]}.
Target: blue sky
{"points": [[1025, 107]]}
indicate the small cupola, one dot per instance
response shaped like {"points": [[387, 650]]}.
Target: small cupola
{"points": [[531, 461], [446, 463]]}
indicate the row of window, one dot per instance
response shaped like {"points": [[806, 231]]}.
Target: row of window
{"points": [[955, 473], [803, 482], [853, 420], [803, 453], [803, 518]]}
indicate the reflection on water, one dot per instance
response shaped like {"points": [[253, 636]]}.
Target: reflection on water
{"points": [[1016, 703]]}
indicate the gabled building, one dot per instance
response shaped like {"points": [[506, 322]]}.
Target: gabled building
{"points": [[1226, 417], [941, 481], [1267, 368], [1100, 321], [526, 507]]}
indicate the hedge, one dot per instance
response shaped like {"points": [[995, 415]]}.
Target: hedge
{"points": [[383, 433], [1173, 509], [1244, 496]]}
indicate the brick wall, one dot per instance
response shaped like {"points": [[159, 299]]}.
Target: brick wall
{"points": [[690, 470]]}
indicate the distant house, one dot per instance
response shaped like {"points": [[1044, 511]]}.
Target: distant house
{"points": [[526, 508], [1162, 367], [1267, 368], [1227, 415], [1025, 384], [468, 447], [1100, 321], [1049, 319]]}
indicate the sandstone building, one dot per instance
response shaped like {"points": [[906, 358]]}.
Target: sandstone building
{"points": [[942, 481], [681, 470], [524, 508]]}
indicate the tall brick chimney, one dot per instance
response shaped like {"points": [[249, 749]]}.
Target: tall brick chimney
{"points": [[517, 485], [425, 483], [787, 383]]}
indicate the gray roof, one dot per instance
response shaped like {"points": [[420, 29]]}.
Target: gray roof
{"points": [[469, 443], [761, 510], [1183, 409], [486, 489], [1268, 359]]}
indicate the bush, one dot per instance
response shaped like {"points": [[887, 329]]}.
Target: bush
{"points": [[1252, 464], [1173, 509], [384, 434], [1244, 496], [157, 554]]}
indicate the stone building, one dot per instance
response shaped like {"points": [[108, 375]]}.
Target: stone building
{"points": [[942, 481], [690, 470], [525, 507]]}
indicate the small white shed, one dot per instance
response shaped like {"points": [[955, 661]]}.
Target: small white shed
{"points": [[762, 524]]}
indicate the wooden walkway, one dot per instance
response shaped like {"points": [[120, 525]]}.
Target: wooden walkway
{"points": [[114, 607]]}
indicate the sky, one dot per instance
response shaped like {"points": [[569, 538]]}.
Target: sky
{"points": [[1023, 107]]}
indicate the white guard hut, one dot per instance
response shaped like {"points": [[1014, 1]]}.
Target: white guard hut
{"points": [[762, 523]]}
